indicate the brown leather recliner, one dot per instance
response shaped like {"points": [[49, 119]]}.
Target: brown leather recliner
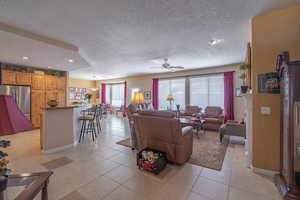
{"points": [[160, 130], [213, 117]]}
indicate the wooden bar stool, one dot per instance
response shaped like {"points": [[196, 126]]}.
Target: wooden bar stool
{"points": [[88, 123]]}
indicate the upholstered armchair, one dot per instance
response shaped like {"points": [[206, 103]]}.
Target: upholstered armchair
{"points": [[213, 117], [190, 111], [232, 128], [160, 130]]}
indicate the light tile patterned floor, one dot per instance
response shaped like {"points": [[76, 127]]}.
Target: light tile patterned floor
{"points": [[105, 170]]}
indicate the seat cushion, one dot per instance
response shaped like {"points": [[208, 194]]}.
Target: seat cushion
{"points": [[213, 120], [87, 117]]}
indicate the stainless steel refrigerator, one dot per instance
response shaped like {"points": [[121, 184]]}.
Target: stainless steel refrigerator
{"points": [[21, 95]]}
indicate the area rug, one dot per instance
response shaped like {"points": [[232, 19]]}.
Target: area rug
{"points": [[207, 150], [126, 142]]}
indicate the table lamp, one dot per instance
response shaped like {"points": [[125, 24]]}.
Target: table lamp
{"points": [[138, 98], [170, 98]]}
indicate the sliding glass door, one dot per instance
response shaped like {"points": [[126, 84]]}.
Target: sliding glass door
{"points": [[174, 87], [202, 91], [115, 94], [207, 91]]}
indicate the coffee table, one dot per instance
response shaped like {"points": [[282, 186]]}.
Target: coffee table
{"points": [[196, 123]]}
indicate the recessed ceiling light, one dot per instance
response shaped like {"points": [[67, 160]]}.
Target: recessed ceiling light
{"points": [[71, 61], [214, 42], [25, 58]]}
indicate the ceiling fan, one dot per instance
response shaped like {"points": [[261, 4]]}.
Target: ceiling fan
{"points": [[167, 66]]}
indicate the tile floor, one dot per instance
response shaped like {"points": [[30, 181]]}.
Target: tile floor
{"points": [[105, 170]]}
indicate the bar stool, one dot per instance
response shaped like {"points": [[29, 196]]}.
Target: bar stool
{"points": [[88, 123]]}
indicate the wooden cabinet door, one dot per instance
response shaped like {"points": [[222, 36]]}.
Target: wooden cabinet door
{"points": [[61, 83], [9, 77], [23, 78], [50, 95], [38, 82], [61, 98], [36, 120], [37, 106], [50, 82]]}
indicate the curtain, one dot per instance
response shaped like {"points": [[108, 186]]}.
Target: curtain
{"points": [[103, 93], [155, 98], [228, 96], [125, 99]]}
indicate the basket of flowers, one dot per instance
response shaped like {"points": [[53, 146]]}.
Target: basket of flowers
{"points": [[151, 160]]}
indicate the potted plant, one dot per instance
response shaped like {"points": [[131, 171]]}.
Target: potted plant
{"points": [[243, 76], [4, 171]]}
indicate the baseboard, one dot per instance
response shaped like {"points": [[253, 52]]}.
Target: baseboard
{"points": [[58, 149], [264, 172]]}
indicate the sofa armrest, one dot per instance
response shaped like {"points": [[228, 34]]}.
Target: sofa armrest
{"points": [[186, 130]]}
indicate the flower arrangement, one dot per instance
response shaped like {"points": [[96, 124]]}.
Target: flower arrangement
{"points": [[88, 97], [3, 161]]}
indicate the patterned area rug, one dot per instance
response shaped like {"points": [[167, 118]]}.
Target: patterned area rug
{"points": [[207, 150]]}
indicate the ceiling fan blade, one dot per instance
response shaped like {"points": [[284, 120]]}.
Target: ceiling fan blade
{"points": [[157, 67], [176, 67]]}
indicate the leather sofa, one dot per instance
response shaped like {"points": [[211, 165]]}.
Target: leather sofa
{"points": [[160, 130], [190, 111], [213, 117]]}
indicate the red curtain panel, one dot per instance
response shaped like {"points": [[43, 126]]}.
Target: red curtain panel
{"points": [[155, 102], [125, 99], [228, 96], [103, 92], [12, 120]]}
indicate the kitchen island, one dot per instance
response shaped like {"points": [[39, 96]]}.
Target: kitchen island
{"points": [[60, 128]]}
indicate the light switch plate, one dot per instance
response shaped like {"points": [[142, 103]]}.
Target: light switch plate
{"points": [[265, 110]]}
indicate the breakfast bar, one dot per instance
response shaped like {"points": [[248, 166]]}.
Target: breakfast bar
{"points": [[59, 128]]}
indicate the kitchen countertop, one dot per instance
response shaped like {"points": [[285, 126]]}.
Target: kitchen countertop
{"points": [[61, 107]]}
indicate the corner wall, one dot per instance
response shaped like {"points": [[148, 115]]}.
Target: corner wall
{"points": [[272, 33]]}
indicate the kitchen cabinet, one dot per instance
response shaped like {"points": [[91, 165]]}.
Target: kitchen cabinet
{"points": [[23, 78], [50, 95], [37, 106], [38, 82], [61, 83], [50, 82], [61, 98], [9, 77]]}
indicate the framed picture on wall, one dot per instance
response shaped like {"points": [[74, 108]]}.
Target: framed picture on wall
{"points": [[147, 95]]}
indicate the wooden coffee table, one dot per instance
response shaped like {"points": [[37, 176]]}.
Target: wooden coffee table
{"points": [[194, 122]]}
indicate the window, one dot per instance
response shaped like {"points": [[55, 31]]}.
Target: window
{"points": [[175, 87], [207, 91], [117, 97], [115, 94]]}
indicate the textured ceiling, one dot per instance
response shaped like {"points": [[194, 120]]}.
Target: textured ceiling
{"points": [[127, 37]]}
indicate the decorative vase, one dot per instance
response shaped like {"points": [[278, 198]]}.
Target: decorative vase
{"points": [[52, 103], [244, 89]]}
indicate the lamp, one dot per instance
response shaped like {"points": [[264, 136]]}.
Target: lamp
{"points": [[170, 98], [138, 98]]}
